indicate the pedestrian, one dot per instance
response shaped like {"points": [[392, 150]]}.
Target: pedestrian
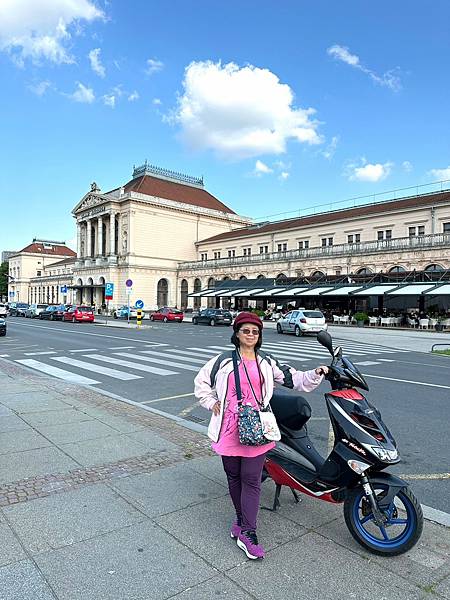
{"points": [[215, 387]]}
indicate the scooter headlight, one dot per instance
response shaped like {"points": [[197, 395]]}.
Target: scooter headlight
{"points": [[384, 454], [358, 466]]}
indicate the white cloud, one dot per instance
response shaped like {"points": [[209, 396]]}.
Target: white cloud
{"points": [[96, 63], [407, 166], [388, 79], [153, 66], [329, 151], [109, 100], [261, 169], [83, 94], [367, 171], [133, 96], [40, 88], [283, 175], [156, 101], [440, 174], [240, 112], [37, 30]]}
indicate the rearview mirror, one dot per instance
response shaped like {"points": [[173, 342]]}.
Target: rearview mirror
{"points": [[324, 338]]}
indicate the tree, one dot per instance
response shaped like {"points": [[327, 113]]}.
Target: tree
{"points": [[4, 268]]}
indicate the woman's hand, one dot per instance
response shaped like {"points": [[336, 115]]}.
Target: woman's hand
{"points": [[322, 370], [216, 408]]}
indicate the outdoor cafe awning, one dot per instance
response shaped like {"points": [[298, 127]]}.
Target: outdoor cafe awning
{"points": [[342, 291], [412, 289], [442, 290], [377, 290]]}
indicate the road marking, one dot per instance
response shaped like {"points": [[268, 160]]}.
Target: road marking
{"points": [[167, 398], [121, 347], [84, 350], [166, 354], [205, 351], [114, 337], [39, 353], [445, 387], [4, 355], [187, 353], [437, 516], [132, 365], [81, 364], [158, 361], [56, 372], [387, 360], [367, 363]]}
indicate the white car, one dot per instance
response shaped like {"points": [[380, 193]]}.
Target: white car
{"points": [[302, 321], [34, 310], [3, 310]]}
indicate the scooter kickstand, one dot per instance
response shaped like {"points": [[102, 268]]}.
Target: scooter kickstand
{"points": [[276, 500], [296, 496]]}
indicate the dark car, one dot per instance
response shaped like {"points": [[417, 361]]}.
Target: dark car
{"points": [[53, 313], [2, 327], [213, 316], [18, 309]]}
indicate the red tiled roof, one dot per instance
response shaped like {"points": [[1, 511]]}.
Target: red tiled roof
{"points": [[337, 215], [170, 190], [56, 249]]}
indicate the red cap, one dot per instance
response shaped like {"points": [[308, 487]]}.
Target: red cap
{"points": [[247, 317]]}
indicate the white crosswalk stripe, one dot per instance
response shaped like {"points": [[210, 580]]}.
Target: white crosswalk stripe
{"points": [[175, 356], [131, 365], [187, 353], [159, 361], [56, 372], [84, 350], [39, 353], [81, 364], [208, 351]]}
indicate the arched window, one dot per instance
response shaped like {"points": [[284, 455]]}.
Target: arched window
{"points": [[261, 277], [211, 283], [242, 277], [318, 274], [364, 271], [397, 269], [211, 301], [184, 294], [280, 276], [162, 292], [197, 288], [434, 267]]}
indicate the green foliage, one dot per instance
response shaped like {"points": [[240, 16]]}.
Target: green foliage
{"points": [[4, 268], [361, 316]]}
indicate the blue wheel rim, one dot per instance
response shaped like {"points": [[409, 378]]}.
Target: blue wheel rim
{"points": [[409, 522]]}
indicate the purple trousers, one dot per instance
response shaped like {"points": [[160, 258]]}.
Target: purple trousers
{"points": [[244, 483]]}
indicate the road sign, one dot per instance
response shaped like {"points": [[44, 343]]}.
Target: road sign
{"points": [[128, 283], [129, 291], [64, 289], [139, 304], [11, 294], [109, 291]]}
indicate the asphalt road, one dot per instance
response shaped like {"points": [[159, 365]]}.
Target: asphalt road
{"points": [[156, 367]]}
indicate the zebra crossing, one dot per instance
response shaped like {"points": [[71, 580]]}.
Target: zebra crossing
{"points": [[129, 363]]}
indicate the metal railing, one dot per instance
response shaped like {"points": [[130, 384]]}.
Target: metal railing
{"points": [[437, 240]]}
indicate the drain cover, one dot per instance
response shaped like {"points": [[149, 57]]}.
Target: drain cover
{"points": [[194, 419]]}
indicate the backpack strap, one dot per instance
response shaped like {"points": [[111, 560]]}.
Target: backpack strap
{"points": [[216, 365]]}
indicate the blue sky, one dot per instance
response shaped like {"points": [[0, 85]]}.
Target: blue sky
{"points": [[281, 106]]}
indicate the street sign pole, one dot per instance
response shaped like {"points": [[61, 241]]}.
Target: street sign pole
{"points": [[129, 284], [109, 295], [107, 311]]}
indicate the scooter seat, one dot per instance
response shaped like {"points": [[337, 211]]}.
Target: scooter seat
{"points": [[290, 409]]}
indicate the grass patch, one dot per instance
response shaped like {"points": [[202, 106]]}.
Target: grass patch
{"points": [[444, 352]]}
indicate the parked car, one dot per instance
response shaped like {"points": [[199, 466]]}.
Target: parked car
{"points": [[302, 321], [122, 312], [53, 313], [34, 310], [213, 316], [2, 327], [18, 309], [78, 314], [3, 310], [167, 314]]}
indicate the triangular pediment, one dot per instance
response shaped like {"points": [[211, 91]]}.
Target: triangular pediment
{"points": [[90, 200]]}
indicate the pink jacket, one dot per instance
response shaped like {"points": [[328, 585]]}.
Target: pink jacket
{"points": [[210, 384]]}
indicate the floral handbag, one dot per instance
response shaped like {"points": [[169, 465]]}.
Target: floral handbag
{"points": [[256, 427]]}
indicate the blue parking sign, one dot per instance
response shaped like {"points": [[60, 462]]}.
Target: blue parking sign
{"points": [[64, 289], [109, 291]]}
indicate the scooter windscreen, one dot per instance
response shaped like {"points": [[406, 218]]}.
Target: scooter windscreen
{"points": [[353, 373]]}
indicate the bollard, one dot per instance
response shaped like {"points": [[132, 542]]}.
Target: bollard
{"points": [[139, 317]]}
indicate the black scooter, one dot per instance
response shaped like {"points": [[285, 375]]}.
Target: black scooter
{"points": [[381, 512]]}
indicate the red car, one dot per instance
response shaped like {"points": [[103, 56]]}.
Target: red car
{"points": [[167, 314], [78, 314]]}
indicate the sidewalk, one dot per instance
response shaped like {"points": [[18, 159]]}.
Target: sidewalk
{"points": [[100, 499]]}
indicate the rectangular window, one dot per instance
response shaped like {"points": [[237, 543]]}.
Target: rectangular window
{"points": [[446, 227], [350, 238], [204, 256], [357, 238], [38, 273], [380, 235], [216, 255], [282, 247], [303, 244], [264, 249], [388, 233], [327, 242], [330, 241], [421, 230], [324, 242], [247, 251], [306, 243], [411, 231], [231, 253]]}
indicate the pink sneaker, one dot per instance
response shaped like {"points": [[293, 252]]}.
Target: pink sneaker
{"points": [[235, 530], [248, 542]]}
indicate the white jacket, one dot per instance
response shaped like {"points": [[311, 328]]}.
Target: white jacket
{"points": [[211, 383]]}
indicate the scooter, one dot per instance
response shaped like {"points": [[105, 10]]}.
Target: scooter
{"points": [[381, 512]]}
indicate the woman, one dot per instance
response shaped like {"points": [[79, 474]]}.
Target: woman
{"points": [[216, 390]]}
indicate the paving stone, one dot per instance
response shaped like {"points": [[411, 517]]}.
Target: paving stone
{"points": [[18, 441], [210, 467], [56, 417], [119, 423], [313, 567], [217, 588], [5, 411], [168, 490], [61, 520], [151, 441], [67, 433], [104, 450], [22, 581], [443, 588], [140, 562], [33, 402], [18, 465], [11, 422], [10, 548], [213, 542]]}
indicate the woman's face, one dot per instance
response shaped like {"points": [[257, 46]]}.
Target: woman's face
{"points": [[248, 335]]}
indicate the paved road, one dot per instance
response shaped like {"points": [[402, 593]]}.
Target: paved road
{"points": [[156, 367]]}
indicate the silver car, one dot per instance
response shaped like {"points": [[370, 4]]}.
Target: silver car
{"points": [[34, 310], [3, 311], [302, 321]]}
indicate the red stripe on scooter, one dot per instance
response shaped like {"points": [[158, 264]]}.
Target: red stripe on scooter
{"points": [[348, 394]]}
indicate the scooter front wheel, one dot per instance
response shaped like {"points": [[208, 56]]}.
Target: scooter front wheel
{"points": [[400, 531]]}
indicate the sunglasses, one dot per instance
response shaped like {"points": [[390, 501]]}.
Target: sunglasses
{"points": [[249, 331]]}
